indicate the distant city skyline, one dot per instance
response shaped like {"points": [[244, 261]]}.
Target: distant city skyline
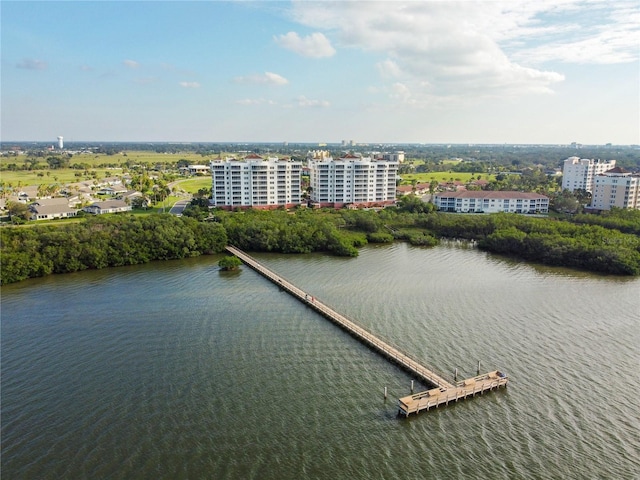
{"points": [[516, 72]]}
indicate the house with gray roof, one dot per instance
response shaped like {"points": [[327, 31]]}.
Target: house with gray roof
{"points": [[108, 206], [52, 211]]}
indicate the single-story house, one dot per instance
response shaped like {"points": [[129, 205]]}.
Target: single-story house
{"points": [[50, 212], [111, 190], [195, 170], [129, 195], [108, 206], [26, 194], [47, 202]]}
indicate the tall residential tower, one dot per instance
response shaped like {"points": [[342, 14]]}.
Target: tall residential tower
{"points": [[256, 182], [351, 180], [579, 173], [616, 188]]}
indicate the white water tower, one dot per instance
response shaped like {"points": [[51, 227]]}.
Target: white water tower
{"points": [[60, 143]]}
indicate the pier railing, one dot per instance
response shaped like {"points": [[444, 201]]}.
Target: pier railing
{"points": [[444, 391]]}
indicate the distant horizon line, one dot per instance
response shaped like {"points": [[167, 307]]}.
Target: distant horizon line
{"points": [[318, 144]]}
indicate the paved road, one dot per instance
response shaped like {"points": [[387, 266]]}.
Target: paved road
{"points": [[179, 207]]}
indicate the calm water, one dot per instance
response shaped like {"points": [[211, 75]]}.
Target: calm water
{"points": [[176, 370]]}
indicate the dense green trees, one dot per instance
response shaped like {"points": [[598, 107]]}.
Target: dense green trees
{"points": [[627, 221], [18, 212], [543, 240], [229, 263], [58, 161], [414, 204], [104, 242], [301, 232], [608, 243], [593, 248]]}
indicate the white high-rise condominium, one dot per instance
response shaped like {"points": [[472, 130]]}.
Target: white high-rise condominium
{"points": [[351, 180], [60, 143], [578, 173], [256, 182]]}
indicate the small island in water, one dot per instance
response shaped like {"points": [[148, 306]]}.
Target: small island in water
{"points": [[229, 263]]}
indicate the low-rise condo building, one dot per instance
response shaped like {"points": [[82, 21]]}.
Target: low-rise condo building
{"points": [[466, 201]]}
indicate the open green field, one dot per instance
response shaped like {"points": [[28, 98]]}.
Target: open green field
{"points": [[99, 166], [49, 177], [192, 185], [440, 177]]}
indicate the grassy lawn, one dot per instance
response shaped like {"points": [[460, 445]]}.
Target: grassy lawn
{"points": [[49, 177], [192, 185], [443, 177], [102, 165], [153, 158]]}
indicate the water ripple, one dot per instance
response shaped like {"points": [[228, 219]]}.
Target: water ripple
{"points": [[176, 370]]}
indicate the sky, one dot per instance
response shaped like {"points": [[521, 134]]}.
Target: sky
{"points": [[433, 71]]}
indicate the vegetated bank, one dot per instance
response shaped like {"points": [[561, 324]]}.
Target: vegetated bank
{"points": [[104, 241], [547, 241], [607, 244]]}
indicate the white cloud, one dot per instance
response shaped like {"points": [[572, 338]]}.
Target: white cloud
{"points": [[268, 78], [389, 69], [401, 92], [131, 63], [32, 64], [315, 45], [305, 102], [605, 47], [575, 31], [478, 49], [190, 84]]}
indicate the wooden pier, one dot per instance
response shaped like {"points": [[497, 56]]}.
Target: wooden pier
{"points": [[443, 392]]}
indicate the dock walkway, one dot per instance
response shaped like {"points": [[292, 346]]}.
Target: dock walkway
{"points": [[443, 391]]}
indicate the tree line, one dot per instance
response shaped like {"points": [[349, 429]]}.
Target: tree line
{"points": [[103, 241], [608, 244], [552, 242]]}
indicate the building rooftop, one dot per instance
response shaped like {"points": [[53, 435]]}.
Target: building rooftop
{"points": [[491, 194], [616, 170]]}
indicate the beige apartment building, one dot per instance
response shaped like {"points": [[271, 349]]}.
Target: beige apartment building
{"points": [[616, 188]]}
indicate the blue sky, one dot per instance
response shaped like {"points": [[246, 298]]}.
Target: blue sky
{"points": [[514, 71]]}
